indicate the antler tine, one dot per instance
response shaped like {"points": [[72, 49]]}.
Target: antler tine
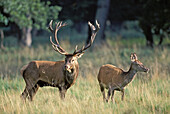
{"points": [[75, 48], [94, 32], [56, 46], [50, 26], [98, 26]]}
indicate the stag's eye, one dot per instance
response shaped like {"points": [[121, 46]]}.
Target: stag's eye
{"points": [[72, 60]]}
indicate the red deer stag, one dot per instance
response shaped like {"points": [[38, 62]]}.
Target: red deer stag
{"points": [[113, 78], [61, 74]]}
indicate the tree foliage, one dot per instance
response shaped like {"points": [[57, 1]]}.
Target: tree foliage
{"points": [[28, 13], [155, 19], [153, 15], [3, 19], [157, 14], [123, 10], [77, 10]]}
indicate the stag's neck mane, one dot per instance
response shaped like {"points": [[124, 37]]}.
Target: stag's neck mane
{"points": [[71, 76]]}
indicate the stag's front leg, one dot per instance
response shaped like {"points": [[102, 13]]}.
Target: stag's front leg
{"points": [[63, 91]]}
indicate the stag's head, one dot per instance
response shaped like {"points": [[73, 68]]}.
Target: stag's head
{"points": [[71, 58], [136, 64]]}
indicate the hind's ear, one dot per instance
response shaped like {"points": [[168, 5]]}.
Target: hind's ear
{"points": [[79, 54], [133, 57]]}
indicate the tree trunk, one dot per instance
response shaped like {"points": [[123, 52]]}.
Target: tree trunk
{"points": [[148, 34], [161, 39], [19, 35], [2, 39], [101, 17], [26, 36], [149, 37]]}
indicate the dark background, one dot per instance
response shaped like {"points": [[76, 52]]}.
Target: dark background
{"points": [[26, 20]]}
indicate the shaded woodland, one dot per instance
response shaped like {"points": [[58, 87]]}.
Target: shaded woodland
{"points": [[23, 19]]}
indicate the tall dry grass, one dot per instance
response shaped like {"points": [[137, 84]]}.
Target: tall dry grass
{"points": [[148, 93]]}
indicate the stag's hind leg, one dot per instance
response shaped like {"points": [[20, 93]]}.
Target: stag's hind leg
{"points": [[103, 92], [32, 92], [29, 85], [24, 94]]}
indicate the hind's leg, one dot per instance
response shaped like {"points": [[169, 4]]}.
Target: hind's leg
{"points": [[32, 92], [103, 92], [108, 95], [123, 93], [112, 95]]}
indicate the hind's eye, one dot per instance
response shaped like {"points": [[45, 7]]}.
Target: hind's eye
{"points": [[72, 61]]}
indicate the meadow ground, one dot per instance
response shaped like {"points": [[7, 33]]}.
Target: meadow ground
{"points": [[148, 93]]}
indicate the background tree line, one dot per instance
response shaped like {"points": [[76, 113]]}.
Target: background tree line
{"points": [[22, 17]]}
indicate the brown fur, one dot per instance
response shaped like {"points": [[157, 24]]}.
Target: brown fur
{"points": [[48, 73], [23, 69], [61, 74], [113, 78]]}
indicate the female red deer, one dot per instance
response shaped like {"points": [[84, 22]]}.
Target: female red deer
{"points": [[113, 78], [61, 74]]}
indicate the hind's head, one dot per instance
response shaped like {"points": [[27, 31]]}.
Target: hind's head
{"points": [[136, 64]]}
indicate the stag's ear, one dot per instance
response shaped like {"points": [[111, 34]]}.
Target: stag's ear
{"points": [[79, 54], [133, 57]]}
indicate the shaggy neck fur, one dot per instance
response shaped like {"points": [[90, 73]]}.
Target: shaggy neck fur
{"points": [[72, 76], [129, 75]]}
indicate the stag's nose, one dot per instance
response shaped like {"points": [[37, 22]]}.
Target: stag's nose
{"points": [[67, 67]]}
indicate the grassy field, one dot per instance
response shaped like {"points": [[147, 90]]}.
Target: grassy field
{"points": [[148, 93]]}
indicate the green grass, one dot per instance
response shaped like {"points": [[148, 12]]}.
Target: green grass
{"points": [[148, 93]]}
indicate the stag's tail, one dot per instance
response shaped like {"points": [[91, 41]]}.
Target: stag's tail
{"points": [[23, 69]]}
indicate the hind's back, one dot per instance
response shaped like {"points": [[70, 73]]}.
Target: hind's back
{"points": [[109, 75]]}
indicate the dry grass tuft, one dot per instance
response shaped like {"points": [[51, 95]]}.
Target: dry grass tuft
{"points": [[148, 93]]}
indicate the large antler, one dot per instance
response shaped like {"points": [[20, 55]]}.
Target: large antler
{"points": [[94, 32], [56, 46]]}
